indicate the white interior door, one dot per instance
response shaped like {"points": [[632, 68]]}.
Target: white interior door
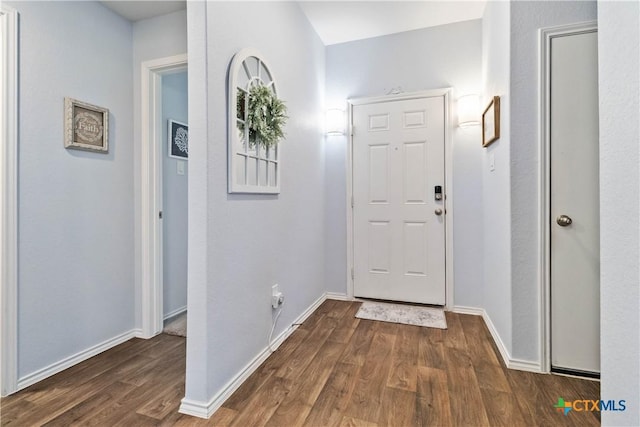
{"points": [[398, 225], [575, 218]]}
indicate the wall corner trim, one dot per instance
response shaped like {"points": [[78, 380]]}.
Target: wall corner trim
{"points": [[9, 200], [74, 359], [206, 409], [510, 362]]}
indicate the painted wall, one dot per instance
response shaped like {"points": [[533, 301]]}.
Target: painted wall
{"points": [[240, 245], [496, 183], [174, 198], [619, 71], [437, 57], [526, 19], [153, 38], [76, 263]]}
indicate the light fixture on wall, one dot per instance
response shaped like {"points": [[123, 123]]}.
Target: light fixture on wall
{"points": [[335, 122], [469, 110]]}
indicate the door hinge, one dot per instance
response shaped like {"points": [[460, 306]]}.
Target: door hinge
{"points": [[353, 275], [160, 214], [353, 203], [352, 130]]}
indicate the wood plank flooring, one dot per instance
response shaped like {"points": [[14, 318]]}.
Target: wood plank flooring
{"points": [[334, 370]]}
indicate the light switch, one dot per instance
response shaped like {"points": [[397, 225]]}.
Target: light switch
{"points": [[492, 162], [180, 167]]}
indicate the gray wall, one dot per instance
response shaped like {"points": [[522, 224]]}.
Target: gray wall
{"points": [[437, 57], [153, 38], [619, 71], [76, 262], [511, 192], [526, 19], [239, 245], [496, 184], [174, 199]]}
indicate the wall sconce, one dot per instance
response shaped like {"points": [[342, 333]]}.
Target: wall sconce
{"points": [[335, 122], [468, 111]]}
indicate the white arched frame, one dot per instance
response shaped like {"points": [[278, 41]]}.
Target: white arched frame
{"points": [[252, 168]]}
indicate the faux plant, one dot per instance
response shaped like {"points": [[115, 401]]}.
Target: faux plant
{"points": [[266, 116]]}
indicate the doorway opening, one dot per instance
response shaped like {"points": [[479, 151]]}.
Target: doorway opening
{"points": [[427, 189], [174, 144], [156, 136]]}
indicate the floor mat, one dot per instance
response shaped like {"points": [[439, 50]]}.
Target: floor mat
{"points": [[429, 317], [177, 326]]}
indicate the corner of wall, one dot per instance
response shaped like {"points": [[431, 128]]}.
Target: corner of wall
{"points": [[496, 173], [619, 93]]}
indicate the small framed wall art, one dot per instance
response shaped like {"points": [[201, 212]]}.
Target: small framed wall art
{"points": [[178, 140], [491, 122], [86, 126]]}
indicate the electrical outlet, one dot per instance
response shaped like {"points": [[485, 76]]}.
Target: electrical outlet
{"points": [[277, 298]]}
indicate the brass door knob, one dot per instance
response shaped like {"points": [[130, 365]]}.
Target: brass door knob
{"points": [[564, 220], [438, 211]]}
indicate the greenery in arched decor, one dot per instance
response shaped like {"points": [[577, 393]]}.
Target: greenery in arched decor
{"points": [[266, 116]]}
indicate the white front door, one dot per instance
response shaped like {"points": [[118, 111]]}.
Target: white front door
{"points": [[575, 211], [399, 207]]}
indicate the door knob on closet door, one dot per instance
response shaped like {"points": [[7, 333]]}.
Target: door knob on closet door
{"points": [[438, 211], [564, 220]]}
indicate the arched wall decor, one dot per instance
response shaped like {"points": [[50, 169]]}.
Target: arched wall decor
{"points": [[252, 167]]}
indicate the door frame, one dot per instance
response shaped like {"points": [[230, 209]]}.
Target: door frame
{"points": [[9, 202], [448, 183], [151, 303], [545, 36]]}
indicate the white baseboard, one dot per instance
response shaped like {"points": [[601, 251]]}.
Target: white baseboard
{"points": [[510, 362], [338, 296], [68, 362], [525, 365], [195, 408], [502, 348], [175, 312], [206, 409], [461, 309]]}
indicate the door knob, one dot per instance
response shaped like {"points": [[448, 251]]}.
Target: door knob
{"points": [[438, 211], [564, 220]]}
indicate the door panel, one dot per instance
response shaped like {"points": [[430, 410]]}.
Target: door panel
{"points": [[399, 241], [415, 176], [575, 256]]}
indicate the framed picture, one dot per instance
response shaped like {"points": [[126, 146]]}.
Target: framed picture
{"points": [[86, 126], [491, 122], [178, 140]]}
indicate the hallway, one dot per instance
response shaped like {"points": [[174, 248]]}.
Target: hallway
{"points": [[334, 370]]}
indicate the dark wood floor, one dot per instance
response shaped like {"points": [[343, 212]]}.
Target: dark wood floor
{"points": [[334, 370]]}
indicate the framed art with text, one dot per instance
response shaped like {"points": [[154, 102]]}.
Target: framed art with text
{"points": [[86, 126]]}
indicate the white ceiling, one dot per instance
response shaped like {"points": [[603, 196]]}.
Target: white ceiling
{"points": [[143, 9], [341, 21]]}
